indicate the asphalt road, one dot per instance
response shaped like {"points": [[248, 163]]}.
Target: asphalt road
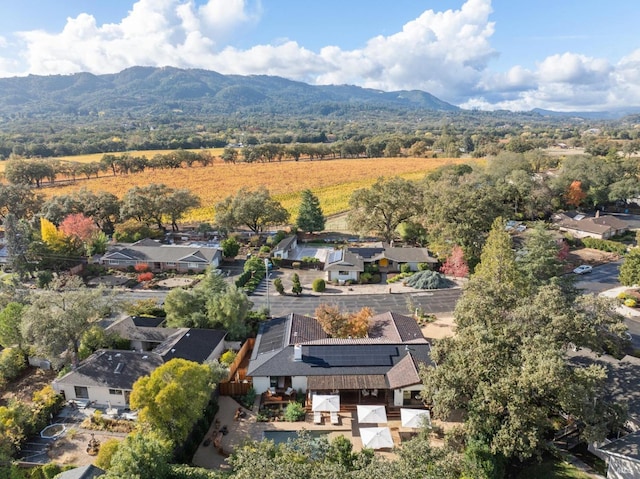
{"points": [[602, 278], [439, 301]]}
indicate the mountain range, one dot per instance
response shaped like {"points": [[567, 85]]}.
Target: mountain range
{"points": [[148, 90]]}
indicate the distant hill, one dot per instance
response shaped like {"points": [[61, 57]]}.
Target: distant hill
{"points": [[147, 90]]}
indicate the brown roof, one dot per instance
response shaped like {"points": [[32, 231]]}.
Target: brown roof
{"points": [[395, 327], [305, 329], [403, 374], [598, 225], [409, 255], [341, 382]]}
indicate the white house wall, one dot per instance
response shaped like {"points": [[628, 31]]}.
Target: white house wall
{"points": [[398, 394], [98, 395], [299, 383], [261, 384]]}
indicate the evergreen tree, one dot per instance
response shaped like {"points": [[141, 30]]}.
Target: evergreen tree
{"points": [[297, 287], [310, 217]]}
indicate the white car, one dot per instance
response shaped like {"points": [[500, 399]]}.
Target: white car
{"points": [[583, 269]]}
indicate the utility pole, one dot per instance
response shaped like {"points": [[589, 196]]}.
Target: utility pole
{"points": [[266, 269]]}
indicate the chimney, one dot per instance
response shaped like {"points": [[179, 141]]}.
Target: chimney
{"points": [[297, 352]]}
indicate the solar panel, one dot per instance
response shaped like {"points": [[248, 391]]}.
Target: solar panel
{"points": [[335, 256], [272, 336], [327, 356]]}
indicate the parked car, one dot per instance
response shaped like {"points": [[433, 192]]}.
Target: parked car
{"points": [[583, 269]]}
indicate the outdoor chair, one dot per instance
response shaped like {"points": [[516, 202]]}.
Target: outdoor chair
{"points": [[290, 392], [335, 419], [374, 393], [365, 393], [317, 417]]}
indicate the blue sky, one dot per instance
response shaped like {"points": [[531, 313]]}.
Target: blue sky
{"points": [[514, 54]]}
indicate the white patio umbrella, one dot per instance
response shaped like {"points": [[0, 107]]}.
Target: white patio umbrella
{"points": [[376, 437], [372, 414], [415, 418], [328, 403]]}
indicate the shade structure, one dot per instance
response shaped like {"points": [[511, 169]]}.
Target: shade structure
{"points": [[376, 437], [325, 403], [415, 418], [372, 414]]}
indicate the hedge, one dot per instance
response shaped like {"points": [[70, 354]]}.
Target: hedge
{"points": [[605, 245]]}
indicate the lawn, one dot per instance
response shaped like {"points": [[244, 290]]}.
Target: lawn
{"points": [[552, 468]]}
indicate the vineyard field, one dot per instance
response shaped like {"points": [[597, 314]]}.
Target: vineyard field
{"points": [[332, 181]]}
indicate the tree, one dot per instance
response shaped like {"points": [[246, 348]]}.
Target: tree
{"points": [[142, 455], [186, 308], [253, 209], [230, 247], [10, 324], [381, 208], [57, 318], [630, 269], [79, 226], [228, 310], [339, 325], [539, 260], [178, 203], [17, 235], [172, 398], [20, 200], [574, 195], [147, 204], [506, 367], [296, 288], [310, 217], [455, 264]]}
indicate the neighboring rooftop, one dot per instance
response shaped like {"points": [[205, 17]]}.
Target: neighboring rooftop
{"points": [[191, 344]]}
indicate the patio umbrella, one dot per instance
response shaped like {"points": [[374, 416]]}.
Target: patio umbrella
{"points": [[372, 414], [376, 437], [328, 403], [415, 418]]}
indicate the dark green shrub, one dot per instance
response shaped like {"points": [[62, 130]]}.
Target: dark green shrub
{"points": [[423, 266], [605, 245], [277, 283], [405, 268], [318, 285], [265, 250]]}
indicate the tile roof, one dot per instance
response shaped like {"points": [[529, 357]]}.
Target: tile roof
{"points": [[395, 327], [305, 329], [113, 369]]}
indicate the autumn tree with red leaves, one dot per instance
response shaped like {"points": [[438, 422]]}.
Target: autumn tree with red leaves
{"points": [[79, 226], [455, 265]]}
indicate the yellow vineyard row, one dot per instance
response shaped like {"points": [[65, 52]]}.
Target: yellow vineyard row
{"points": [[332, 181]]}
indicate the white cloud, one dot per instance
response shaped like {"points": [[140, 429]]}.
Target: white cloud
{"points": [[445, 53]]}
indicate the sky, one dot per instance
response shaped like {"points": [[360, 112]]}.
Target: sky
{"points": [[563, 55]]}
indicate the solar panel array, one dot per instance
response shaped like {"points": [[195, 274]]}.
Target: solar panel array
{"points": [[272, 336], [347, 355], [335, 256]]}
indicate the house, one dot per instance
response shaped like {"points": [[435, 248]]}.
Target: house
{"points": [[143, 333], [623, 383], [623, 457], [162, 257], [83, 472], [286, 248], [582, 226], [295, 352], [107, 376], [345, 265]]}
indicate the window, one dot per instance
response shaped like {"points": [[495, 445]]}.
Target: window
{"points": [[343, 273], [115, 392], [81, 392], [170, 265]]}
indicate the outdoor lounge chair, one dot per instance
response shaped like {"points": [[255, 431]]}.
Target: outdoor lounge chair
{"points": [[289, 392], [374, 393], [335, 419], [317, 417], [365, 393]]}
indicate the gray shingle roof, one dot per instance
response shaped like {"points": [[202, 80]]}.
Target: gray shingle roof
{"points": [[127, 329], [409, 255], [102, 369], [395, 327], [143, 251], [285, 243], [83, 472], [191, 344], [627, 447], [347, 261]]}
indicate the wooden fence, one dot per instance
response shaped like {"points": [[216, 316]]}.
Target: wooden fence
{"points": [[237, 383]]}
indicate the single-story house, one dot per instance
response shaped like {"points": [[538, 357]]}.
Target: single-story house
{"points": [[623, 457], [162, 257], [286, 248], [623, 383], [107, 376], [295, 352], [581, 226], [143, 333], [343, 265]]}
